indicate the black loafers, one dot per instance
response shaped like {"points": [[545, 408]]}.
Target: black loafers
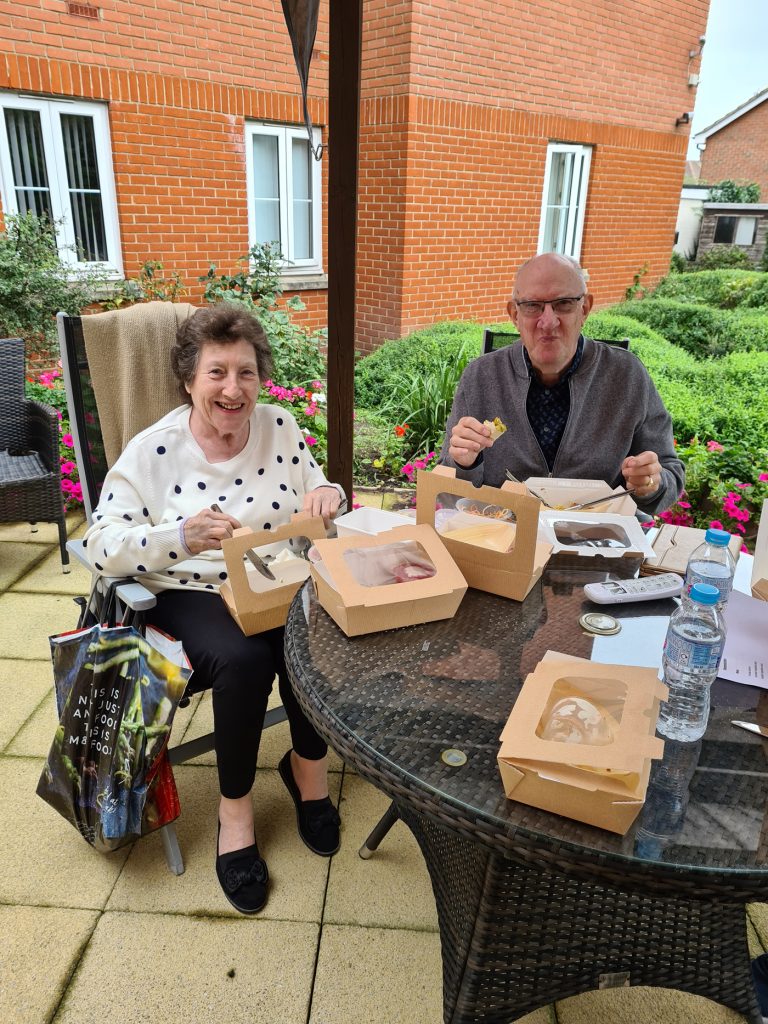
{"points": [[243, 876], [318, 820]]}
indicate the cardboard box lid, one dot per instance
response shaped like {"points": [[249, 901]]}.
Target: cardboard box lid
{"points": [[234, 547], [760, 564], [448, 577], [562, 490], [673, 545], [633, 736], [627, 526], [528, 554]]}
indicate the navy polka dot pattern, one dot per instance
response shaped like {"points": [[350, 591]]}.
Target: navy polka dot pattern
{"points": [[279, 458], [249, 500], [311, 464], [201, 485], [99, 567], [261, 472], [141, 568], [161, 450], [548, 408], [177, 489], [126, 517], [284, 487], [222, 497], [302, 446], [222, 575], [172, 554], [275, 504], [143, 542], [295, 460], [279, 421], [238, 482], [145, 513], [267, 526]]}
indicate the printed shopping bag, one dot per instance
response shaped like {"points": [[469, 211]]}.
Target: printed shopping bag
{"points": [[117, 691]]}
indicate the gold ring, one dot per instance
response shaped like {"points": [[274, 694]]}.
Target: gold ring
{"points": [[649, 482]]}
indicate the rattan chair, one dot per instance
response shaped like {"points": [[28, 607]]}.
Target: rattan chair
{"points": [[30, 478], [83, 401], [494, 340]]}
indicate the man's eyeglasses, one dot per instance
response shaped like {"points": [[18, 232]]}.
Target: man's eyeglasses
{"points": [[559, 306]]}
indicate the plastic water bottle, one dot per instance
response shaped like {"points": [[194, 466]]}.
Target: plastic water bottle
{"points": [[712, 562], [692, 652]]}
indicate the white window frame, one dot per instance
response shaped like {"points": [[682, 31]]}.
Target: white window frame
{"points": [[50, 111], [577, 199], [284, 134]]}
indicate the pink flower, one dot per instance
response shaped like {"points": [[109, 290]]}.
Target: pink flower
{"points": [[67, 486], [77, 492], [714, 446], [67, 441], [744, 549], [310, 440], [763, 477], [743, 485], [310, 410], [716, 525], [67, 467], [684, 504]]}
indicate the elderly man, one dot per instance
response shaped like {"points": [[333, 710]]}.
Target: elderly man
{"points": [[572, 407]]}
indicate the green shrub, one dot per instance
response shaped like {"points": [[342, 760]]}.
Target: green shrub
{"points": [[378, 451], [678, 264], [35, 284], [728, 191], [700, 330], [722, 256], [725, 289], [412, 356], [296, 352]]}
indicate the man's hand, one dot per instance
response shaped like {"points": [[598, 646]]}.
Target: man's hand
{"points": [[468, 437], [643, 472], [323, 501], [206, 530]]}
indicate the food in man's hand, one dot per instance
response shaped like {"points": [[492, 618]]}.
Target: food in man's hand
{"points": [[496, 427]]}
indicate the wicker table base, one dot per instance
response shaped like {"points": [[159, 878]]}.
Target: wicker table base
{"points": [[516, 937]]}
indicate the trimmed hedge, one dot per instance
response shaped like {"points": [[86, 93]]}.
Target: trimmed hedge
{"points": [[701, 330], [414, 354], [724, 289]]}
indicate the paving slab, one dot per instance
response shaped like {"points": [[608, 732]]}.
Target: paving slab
{"points": [[377, 976], [23, 686], [157, 967], [757, 914], [47, 533], [36, 735], [49, 578], [45, 862], [27, 620], [392, 888], [297, 876], [39, 949], [640, 1005], [274, 741], [16, 560]]}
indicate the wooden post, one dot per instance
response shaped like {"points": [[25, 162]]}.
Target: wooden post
{"points": [[345, 32]]}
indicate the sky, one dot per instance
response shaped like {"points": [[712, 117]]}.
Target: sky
{"points": [[734, 63]]}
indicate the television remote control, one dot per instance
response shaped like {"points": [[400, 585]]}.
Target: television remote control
{"points": [[647, 588]]}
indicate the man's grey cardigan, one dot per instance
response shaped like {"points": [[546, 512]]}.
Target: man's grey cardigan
{"points": [[615, 411]]}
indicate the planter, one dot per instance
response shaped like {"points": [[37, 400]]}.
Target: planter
{"points": [[390, 498]]}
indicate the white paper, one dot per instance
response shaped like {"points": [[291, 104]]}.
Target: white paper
{"points": [[745, 657]]}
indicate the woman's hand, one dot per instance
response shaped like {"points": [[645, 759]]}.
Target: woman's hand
{"points": [[323, 501], [206, 530]]}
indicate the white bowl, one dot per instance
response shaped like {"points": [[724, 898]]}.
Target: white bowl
{"points": [[369, 522]]}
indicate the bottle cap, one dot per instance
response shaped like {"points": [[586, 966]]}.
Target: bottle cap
{"points": [[717, 537], [704, 593]]}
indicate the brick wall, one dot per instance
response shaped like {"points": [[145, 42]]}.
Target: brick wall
{"points": [[740, 151], [459, 102]]}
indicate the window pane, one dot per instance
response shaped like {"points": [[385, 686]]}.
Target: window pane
{"points": [[301, 168], [745, 230], [560, 178], [267, 227], [554, 229], [84, 191], [725, 228], [559, 198], [265, 167], [30, 176]]}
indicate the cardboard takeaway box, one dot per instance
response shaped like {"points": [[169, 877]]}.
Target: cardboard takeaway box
{"points": [[602, 782], [563, 492], [672, 547], [760, 564], [255, 603], [508, 573], [359, 609], [591, 534]]}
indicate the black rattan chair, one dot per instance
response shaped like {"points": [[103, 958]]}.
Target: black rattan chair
{"points": [[30, 478], [494, 340]]}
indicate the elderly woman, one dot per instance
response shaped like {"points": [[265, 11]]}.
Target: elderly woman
{"points": [[155, 520]]}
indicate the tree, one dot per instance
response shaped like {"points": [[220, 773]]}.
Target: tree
{"points": [[729, 191]]}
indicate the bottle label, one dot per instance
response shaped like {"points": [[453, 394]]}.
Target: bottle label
{"points": [[722, 583], [687, 654]]}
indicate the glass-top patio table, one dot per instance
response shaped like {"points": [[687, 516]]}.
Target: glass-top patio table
{"points": [[534, 907]]}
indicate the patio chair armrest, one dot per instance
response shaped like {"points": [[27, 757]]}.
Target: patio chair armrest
{"points": [[132, 593], [43, 432]]}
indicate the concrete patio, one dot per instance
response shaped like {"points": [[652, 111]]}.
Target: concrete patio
{"points": [[89, 938]]}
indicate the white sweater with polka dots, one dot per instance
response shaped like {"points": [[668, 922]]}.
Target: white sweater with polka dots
{"points": [[162, 477]]}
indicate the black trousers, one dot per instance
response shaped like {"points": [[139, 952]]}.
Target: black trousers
{"points": [[240, 671]]}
